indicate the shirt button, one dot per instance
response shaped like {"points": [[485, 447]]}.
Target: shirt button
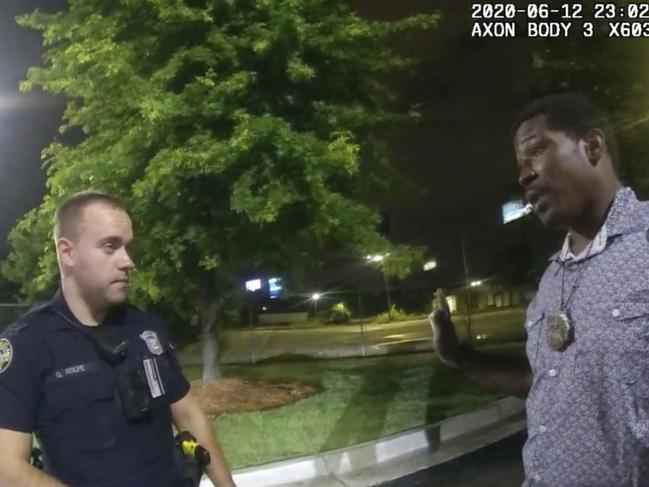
{"points": [[529, 323], [615, 312], [536, 478], [552, 373], [543, 429]]}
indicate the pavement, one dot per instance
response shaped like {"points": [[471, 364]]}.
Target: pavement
{"points": [[358, 339], [395, 457], [497, 465]]}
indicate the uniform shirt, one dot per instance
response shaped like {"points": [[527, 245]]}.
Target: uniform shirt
{"points": [[54, 383], [588, 407]]}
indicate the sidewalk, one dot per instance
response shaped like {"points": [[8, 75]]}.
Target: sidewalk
{"points": [[390, 458], [498, 464]]}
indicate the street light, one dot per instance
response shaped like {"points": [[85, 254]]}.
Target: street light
{"points": [[315, 297], [252, 286], [378, 259], [471, 284]]}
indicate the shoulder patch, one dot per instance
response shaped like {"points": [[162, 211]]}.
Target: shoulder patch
{"points": [[6, 354], [152, 342]]}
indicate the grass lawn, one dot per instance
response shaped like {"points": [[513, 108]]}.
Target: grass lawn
{"points": [[362, 399]]}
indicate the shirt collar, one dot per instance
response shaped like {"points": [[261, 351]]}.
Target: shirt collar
{"points": [[619, 220], [623, 217], [60, 307], [595, 247], [115, 315]]}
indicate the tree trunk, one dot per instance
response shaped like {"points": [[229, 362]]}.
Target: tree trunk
{"points": [[209, 308]]}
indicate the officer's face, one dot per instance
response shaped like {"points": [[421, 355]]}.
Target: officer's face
{"points": [[100, 263], [554, 172]]}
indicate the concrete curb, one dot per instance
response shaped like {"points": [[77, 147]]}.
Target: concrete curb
{"points": [[392, 457]]}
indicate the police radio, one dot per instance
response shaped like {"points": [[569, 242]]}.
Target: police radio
{"points": [[110, 348], [132, 389]]}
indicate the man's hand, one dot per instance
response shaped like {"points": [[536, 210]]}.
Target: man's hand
{"points": [[505, 373], [444, 338]]}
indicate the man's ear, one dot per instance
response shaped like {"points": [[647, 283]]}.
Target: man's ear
{"points": [[65, 249], [594, 143]]}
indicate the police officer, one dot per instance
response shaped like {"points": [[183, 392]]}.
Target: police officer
{"points": [[93, 378]]}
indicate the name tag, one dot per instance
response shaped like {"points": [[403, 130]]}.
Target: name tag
{"points": [[153, 377], [73, 371]]}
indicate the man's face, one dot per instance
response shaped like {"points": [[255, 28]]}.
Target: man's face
{"points": [[99, 261], [554, 171]]}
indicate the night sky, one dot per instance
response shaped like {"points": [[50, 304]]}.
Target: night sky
{"points": [[27, 122], [461, 158]]}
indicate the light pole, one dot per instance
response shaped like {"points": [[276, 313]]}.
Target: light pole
{"points": [[315, 297], [360, 321], [378, 260], [429, 266], [252, 287], [467, 306]]}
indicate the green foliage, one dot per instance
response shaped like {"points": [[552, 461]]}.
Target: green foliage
{"points": [[238, 133], [339, 313], [398, 261], [395, 314], [361, 400], [340, 307]]}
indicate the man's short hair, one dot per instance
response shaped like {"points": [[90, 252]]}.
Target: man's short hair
{"points": [[69, 212], [573, 115]]}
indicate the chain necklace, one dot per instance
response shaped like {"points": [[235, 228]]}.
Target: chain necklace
{"points": [[560, 332]]}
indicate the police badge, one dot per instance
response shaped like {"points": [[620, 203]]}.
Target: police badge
{"points": [[6, 354], [152, 342]]}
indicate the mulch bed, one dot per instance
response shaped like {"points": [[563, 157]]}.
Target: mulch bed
{"points": [[233, 395]]}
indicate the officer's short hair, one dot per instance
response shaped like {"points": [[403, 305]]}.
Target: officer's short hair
{"points": [[573, 115], [68, 213]]}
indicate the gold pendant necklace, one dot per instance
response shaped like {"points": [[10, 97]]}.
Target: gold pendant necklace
{"points": [[560, 331]]}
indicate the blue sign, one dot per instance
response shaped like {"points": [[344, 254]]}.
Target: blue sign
{"points": [[515, 209], [274, 287]]}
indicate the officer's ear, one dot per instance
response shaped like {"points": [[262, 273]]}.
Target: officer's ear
{"points": [[65, 250]]}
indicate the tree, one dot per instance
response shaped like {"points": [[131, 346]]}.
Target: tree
{"points": [[395, 264], [240, 134]]}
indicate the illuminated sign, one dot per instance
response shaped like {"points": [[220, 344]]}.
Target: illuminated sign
{"points": [[430, 265], [514, 210], [274, 287], [254, 285]]}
